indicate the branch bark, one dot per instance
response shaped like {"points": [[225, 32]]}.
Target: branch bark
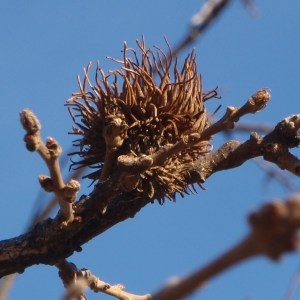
{"points": [[50, 241]]}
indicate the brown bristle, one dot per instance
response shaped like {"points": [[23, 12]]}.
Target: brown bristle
{"points": [[158, 105]]}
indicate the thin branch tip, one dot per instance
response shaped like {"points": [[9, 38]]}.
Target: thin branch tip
{"points": [[50, 153], [70, 276], [254, 104]]}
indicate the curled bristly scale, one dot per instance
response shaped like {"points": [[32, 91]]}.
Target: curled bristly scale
{"points": [[158, 106]]}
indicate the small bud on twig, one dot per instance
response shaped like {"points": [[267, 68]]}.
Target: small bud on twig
{"points": [[46, 183], [29, 121], [70, 190], [254, 104]]}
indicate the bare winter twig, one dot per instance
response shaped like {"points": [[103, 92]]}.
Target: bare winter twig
{"points": [[50, 153], [274, 231], [73, 277]]}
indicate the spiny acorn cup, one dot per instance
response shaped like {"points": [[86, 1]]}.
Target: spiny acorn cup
{"points": [[136, 110]]}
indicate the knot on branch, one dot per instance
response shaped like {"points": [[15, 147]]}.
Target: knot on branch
{"points": [[288, 130], [275, 146]]}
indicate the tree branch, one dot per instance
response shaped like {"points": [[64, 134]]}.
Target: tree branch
{"points": [[273, 147], [50, 153], [274, 231], [48, 242]]}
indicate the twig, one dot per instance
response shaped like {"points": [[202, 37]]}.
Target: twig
{"points": [[50, 153], [251, 7], [200, 22], [7, 281], [293, 286], [274, 230], [274, 147], [6, 284], [204, 18], [255, 103], [133, 165], [70, 275]]}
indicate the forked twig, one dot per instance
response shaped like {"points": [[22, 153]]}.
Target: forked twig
{"points": [[50, 153]]}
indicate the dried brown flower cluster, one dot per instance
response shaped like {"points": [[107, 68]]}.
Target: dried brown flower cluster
{"points": [[141, 109]]}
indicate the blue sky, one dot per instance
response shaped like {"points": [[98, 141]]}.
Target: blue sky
{"points": [[45, 44]]}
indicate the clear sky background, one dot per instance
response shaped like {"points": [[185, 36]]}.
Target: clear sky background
{"points": [[45, 44]]}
